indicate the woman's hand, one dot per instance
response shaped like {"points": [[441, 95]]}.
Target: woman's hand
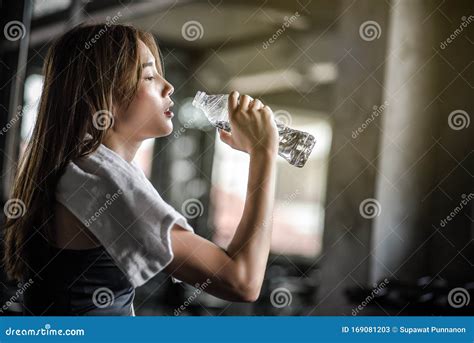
{"points": [[253, 127]]}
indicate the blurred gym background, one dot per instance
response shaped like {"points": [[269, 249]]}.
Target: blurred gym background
{"points": [[380, 219]]}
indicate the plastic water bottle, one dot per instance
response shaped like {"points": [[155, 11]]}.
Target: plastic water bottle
{"points": [[295, 146]]}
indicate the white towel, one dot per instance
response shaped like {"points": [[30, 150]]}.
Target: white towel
{"points": [[120, 206]]}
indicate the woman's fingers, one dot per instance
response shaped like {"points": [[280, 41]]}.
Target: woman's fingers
{"points": [[244, 102], [252, 124], [233, 102], [256, 104], [266, 108], [225, 136]]}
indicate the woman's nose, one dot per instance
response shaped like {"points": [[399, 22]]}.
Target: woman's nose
{"points": [[169, 89]]}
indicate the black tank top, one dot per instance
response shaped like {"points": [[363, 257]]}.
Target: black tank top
{"points": [[78, 282]]}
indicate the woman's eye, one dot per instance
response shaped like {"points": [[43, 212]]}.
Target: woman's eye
{"points": [[149, 78]]}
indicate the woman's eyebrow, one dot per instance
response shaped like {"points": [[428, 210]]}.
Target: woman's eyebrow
{"points": [[147, 64]]}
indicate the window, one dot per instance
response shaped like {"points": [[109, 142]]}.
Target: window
{"points": [[32, 94], [42, 8], [299, 203]]}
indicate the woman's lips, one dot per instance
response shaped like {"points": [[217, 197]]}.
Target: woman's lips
{"points": [[168, 111]]}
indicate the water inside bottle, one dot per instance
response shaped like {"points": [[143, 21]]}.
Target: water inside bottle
{"points": [[295, 146]]}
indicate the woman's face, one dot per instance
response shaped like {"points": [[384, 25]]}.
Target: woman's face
{"points": [[149, 114]]}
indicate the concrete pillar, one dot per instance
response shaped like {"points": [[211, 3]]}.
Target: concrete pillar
{"points": [[352, 165], [424, 85]]}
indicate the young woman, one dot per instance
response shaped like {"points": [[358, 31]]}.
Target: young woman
{"points": [[117, 69]]}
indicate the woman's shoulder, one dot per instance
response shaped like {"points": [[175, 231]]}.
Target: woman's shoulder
{"points": [[69, 231]]}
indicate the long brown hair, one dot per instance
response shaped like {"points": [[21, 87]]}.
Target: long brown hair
{"points": [[89, 70]]}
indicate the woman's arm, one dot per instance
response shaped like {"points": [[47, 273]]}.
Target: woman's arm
{"points": [[237, 273]]}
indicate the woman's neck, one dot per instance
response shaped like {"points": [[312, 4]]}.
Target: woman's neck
{"points": [[123, 146]]}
